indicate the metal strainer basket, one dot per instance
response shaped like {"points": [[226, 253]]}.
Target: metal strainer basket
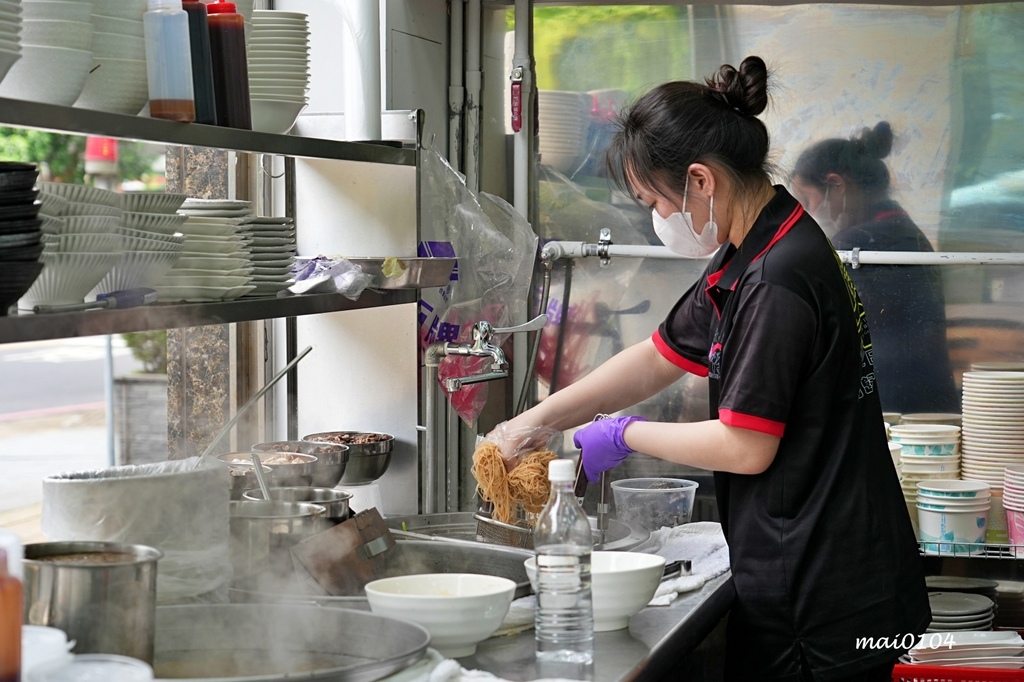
{"points": [[499, 533]]}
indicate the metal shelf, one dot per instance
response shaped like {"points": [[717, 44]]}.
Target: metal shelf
{"points": [[60, 119], [30, 327], [962, 550]]}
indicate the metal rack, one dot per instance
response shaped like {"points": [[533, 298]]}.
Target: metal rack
{"points": [[962, 550]]}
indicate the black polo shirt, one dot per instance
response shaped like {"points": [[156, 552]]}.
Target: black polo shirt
{"points": [[822, 547]]}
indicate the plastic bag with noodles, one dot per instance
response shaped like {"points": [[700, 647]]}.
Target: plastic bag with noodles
{"points": [[511, 470], [496, 250]]}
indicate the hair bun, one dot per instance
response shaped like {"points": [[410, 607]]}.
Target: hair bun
{"points": [[877, 143], [745, 90]]}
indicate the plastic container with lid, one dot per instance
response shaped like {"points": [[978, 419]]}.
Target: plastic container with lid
{"points": [[41, 645], [93, 668], [169, 61], [202, 67], [230, 66]]}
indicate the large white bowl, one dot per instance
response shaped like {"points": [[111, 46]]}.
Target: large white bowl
{"points": [[94, 223], [274, 116], [116, 85], [118, 46], [58, 11], [151, 202], [458, 609], [76, 35], [622, 583], [136, 269], [120, 9], [105, 24], [83, 194], [161, 223], [67, 278], [52, 75]]}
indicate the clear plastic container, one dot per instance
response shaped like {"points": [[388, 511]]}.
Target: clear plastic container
{"points": [[93, 668], [41, 645], [564, 625], [653, 503], [169, 61]]}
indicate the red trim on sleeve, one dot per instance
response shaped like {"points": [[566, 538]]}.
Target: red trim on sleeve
{"points": [[749, 421], [677, 359]]}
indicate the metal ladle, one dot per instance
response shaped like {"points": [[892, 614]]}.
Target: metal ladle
{"points": [[259, 476]]}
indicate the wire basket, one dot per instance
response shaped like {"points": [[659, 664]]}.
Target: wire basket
{"points": [[498, 533]]}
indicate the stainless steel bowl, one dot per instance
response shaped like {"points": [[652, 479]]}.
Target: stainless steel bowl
{"points": [[334, 502], [262, 532], [243, 478], [331, 458], [366, 461], [299, 471]]}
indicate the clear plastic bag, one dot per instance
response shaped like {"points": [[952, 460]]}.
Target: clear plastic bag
{"points": [[496, 250], [514, 443], [326, 274]]}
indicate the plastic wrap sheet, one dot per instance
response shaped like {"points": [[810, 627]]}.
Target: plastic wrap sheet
{"points": [[168, 505]]}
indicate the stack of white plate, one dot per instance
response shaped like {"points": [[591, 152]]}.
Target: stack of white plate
{"points": [[81, 245], [278, 69], [272, 250], [10, 34], [969, 650], [56, 54], [1009, 604], [149, 244], [958, 612], [993, 424], [215, 264], [118, 81], [562, 125]]}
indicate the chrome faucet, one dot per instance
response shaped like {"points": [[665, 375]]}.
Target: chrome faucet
{"points": [[481, 346]]}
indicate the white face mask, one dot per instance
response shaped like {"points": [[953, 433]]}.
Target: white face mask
{"points": [[677, 233], [822, 215]]}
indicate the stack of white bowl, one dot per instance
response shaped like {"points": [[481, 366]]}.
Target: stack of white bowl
{"points": [[1013, 502], [952, 516], [563, 119], [81, 245], [118, 82], [993, 418], [278, 69], [149, 246], [10, 34], [927, 453], [56, 52]]}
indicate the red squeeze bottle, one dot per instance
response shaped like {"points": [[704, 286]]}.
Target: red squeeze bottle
{"points": [[11, 607], [230, 69]]}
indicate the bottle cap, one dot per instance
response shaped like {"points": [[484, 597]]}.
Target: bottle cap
{"points": [[561, 470], [10, 546], [220, 7], [163, 4]]}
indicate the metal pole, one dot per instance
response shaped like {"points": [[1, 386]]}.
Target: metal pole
{"points": [[108, 395]]}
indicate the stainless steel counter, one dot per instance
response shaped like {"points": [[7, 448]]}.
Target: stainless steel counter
{"points": [[657, 638]]}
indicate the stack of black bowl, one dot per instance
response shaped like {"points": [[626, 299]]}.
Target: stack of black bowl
{"points": [[20, 234]]}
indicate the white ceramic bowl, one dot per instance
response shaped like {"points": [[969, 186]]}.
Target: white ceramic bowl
{"points": [[88, 242], [136, 269], [120, 9], [67, 278], [94, 224], [161, 223], [83, 194], [75, 35], [7, 60], [280, 33], [118, 46], [458, 609], [51, 75], [105, 24], [622, 583], [116, 85], [274, 116], [75, 208], [275, 14], [151, 202], [277, 83], [278, 73], [56, 11]]}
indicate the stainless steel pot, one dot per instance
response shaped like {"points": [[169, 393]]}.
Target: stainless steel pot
{"points": [[263, 532], [102, 594], [334, 502]]}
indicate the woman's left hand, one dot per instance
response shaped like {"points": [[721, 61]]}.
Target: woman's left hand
{"points": [[603, 444]]}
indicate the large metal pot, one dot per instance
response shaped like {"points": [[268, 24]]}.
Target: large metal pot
{"points": [[367, 461], [331, 458], [263, 532], [334, 502], [102, 594]]}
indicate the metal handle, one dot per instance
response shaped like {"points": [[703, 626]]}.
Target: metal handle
{"points": [[533, 325]]}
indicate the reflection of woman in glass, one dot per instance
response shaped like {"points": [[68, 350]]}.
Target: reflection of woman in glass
{"points": [[845, 185]]}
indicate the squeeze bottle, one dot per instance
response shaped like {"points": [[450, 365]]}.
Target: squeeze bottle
{"points": [[168, 61]]}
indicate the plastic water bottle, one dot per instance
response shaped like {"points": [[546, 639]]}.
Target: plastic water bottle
{"points": [[565, 617]]}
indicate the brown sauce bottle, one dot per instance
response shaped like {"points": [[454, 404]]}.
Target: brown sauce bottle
{"points": [[230, 68]]}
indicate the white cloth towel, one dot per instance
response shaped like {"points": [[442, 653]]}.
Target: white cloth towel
{"points": [[702, 543], [521, 615]]}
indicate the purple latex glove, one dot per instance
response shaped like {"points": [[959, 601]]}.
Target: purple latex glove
{"points": [[603, 445]]}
